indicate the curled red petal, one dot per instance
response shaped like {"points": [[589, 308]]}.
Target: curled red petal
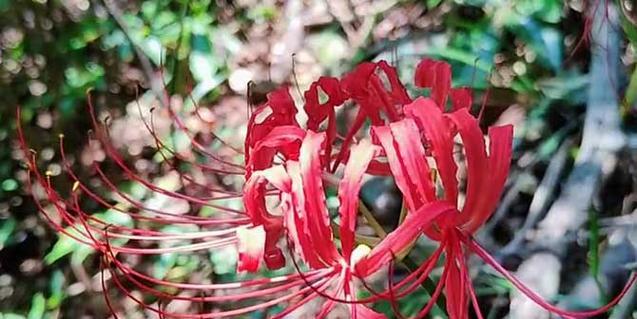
{"points": [[285, 139], [473, 143], [348, 192], [368, 90], [461, 98], [317, 111], [412, 154], [398, 92], [297, 220], [375, 99], [318, 220], [498, 163], [281, 102], [251, 244], [435, 75], [356, 83], [438, 134], [406, 159], [279, 110], [402, 237], [399, 172], [254, 201]]}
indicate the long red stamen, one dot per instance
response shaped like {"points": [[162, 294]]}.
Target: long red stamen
{"points": [[434, 296], [476, 248], [171, 217], [161, 147]]}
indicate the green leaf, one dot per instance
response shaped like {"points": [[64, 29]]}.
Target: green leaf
{"points": [[631, 91], [153, 48], [262, 13], [593, 244], [115, 217], [5, 4], [203, 88], [168, 261], [182, 141], [433, 3], [545, 10], [207, 211], [329, 47], [203, 63], [63, 246], [165, 263], [6, 229], [224, 260], [56, 286], [38, 305], [9, 185]]}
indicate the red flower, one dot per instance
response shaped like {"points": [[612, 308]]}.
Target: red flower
{"points": [[142, 229], [287, 170], [455, 226], [414, 131], [406, 156]]}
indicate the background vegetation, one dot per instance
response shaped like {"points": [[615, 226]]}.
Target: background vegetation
{"points": [[530, 55]]}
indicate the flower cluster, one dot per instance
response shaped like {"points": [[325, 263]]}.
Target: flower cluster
{"points": [[288, 168]]}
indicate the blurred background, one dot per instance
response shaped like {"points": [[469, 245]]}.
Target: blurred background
{"points": [[566, 222]]}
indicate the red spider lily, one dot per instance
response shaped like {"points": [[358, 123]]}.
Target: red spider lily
{"points": [[307, 223], [413, 132], [287, 169], [145, 231], [487, 172]]}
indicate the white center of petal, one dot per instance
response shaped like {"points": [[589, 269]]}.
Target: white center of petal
{"points": [[360, 252]]}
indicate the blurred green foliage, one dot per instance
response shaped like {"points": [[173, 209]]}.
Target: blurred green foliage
{"points": [[54, 51]]}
